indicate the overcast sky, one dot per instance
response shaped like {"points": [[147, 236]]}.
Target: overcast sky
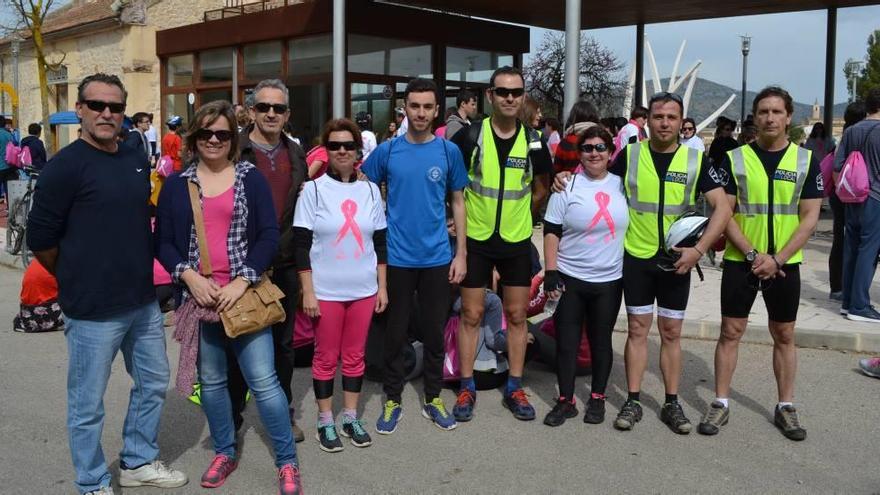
{"points": [[787, 49]]}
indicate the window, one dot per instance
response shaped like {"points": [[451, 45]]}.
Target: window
{"points": [[262, 61], [473, 65], [214, 95], [216, 65], [390, 57], [178, 105], [179, 70], [309, 56]]}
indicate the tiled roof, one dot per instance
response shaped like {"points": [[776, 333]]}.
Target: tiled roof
{"points": [[77, 13]]}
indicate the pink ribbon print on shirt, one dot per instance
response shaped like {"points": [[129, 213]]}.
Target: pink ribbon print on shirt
{"points": [[602, 201], [349, 209]]}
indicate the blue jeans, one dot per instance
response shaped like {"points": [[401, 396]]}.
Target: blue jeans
{"points": [[861, 245], [91, 347], [255, 354]]}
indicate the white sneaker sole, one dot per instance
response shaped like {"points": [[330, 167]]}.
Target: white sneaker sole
{"points": [[852, 317], [130, 483]]}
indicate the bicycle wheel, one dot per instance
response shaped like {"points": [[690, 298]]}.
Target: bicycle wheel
{"points": [[15, 223]]}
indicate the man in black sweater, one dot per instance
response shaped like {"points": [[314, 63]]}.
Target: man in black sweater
{"points": [[90, 227]]}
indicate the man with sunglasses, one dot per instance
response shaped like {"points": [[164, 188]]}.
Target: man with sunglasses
{"points": [[689, 135], [662, 180], [283, 163], [509, 166], [90, 227], [779, 194]]}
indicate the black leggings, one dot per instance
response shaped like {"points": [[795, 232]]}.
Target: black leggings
{"points": [[835, 258], [432, 287], [597, 305]]}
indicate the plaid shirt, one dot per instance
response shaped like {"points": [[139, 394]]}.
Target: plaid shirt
{"points": [[236, 242]]}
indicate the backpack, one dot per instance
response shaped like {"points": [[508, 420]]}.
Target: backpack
{"points": [[24, 157], [853, 184], [13, 153]]}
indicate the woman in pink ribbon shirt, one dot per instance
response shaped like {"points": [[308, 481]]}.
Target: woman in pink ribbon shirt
{"points": [[584, 229], [341, 252]]}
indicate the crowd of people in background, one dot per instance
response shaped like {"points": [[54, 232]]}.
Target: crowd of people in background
{"points": [[425, 224]]}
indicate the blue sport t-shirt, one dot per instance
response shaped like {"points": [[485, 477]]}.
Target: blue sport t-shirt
{"points": [[418, 176]]}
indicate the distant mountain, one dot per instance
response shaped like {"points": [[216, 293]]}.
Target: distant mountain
{"points": [[708, 96]]}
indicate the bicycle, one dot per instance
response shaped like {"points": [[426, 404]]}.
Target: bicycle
{"points": [[16, 223]]}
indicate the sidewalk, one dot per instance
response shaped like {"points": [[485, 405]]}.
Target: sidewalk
{"points": [[7, 259], [819, 323]]}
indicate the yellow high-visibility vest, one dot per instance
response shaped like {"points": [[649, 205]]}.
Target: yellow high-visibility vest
{"points": [[753, 207], [485, 190], [645, 236]]}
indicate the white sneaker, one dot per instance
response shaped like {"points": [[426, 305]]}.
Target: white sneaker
{"points": [[104, 490], [152, 474]]}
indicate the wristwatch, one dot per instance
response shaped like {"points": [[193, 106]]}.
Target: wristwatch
{"points": [[751, 255]]}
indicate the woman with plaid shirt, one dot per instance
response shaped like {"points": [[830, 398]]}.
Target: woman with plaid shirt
{"points": [[242, 237]]}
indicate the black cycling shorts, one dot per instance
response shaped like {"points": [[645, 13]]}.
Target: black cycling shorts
{"points": [[644, 282], [738, 292], [513, 262]]}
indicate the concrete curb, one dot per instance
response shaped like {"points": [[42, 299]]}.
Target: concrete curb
{"points": [[10, 261]]}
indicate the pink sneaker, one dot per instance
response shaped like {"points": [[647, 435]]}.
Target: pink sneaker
{"points": [[220, 469], [288, 480], [870, 366]]}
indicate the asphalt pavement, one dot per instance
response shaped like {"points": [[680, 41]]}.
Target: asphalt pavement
{"points": [[492, 454]]}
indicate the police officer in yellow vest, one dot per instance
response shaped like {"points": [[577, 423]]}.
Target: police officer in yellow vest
{"points": [[778, 196], [662, 180], [509, 167]]}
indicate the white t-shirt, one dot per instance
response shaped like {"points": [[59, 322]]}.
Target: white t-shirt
{"points": [[342, 217], [627, 132], [151, 134], [369, 143], [695, 142], [594, 217]]}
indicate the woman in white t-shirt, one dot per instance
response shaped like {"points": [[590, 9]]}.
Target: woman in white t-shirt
{"points": [[584, 228], [339, 227]]}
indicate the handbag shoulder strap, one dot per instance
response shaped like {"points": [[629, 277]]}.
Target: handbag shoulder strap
{"points": [[199, 222]]}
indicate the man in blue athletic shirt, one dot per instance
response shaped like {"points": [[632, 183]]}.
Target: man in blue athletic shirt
{"points": [[420, 171]]}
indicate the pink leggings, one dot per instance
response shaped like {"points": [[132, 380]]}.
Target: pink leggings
{"points": [[342, 332]]}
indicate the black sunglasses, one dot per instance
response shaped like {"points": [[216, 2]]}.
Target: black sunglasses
{"points": [[505, 92], [665, 95], [264, 107], [589, 148], [99, 106], [336, 145], [688, 129], [207, 134]]}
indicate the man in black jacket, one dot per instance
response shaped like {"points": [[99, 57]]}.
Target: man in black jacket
{"points": [[283, 163]]}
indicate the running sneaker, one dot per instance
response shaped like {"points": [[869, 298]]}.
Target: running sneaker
{"points": [[289, 482], [355, 431], [870, 366], [220, 469], [104, 490], [595, 412], [155, 474], [716, 417], [564, 409], [673, 415], [437, 413], [464, 405], [518, 403], [786, 419], [391, 416], [629, 415], [327, 438], [869, 315]]}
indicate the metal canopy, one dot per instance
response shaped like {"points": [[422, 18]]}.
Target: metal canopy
{"points": [[550, 14]]}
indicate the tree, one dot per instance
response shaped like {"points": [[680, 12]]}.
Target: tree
{"points": [[869, 77], [30, 16], [601, 79], [796, 134]]}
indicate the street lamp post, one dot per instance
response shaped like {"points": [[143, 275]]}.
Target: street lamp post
{"points": [[853, 67], [15, 45], [746, 46]]}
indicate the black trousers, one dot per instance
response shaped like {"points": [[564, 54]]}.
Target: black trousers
{"points": [[287, 279], [835, 259], [597, 305], [432, 288]]}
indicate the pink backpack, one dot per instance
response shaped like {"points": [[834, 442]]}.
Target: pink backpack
{"points": [[852, 183], [13, 154], [165, 166], [24, 157]]}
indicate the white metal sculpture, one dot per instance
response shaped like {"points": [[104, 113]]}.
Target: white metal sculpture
{"points": [[675, 83]]}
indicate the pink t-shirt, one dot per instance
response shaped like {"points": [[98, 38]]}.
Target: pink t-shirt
{"points": [[318, 153], [218, 219]]}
